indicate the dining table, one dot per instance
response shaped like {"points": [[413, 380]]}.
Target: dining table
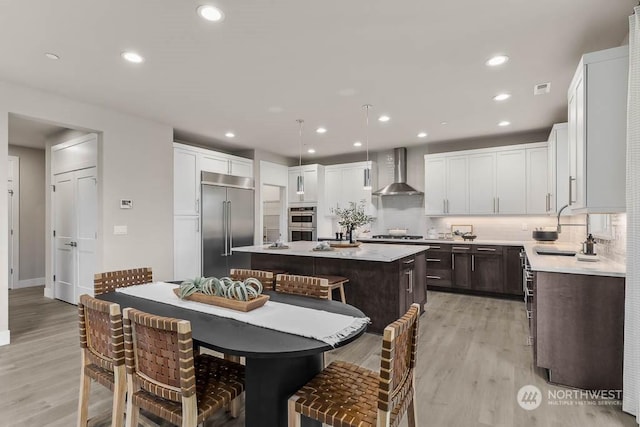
{"points": [[277, 364]]}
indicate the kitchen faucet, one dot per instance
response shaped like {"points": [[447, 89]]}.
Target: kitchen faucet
{"points": [[559, 226]]}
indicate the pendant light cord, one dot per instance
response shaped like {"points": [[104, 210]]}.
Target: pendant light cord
{"points": [[366, 107], [300, 122]]}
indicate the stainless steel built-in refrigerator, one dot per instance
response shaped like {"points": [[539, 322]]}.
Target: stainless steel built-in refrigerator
{"points": [[227, 222]]}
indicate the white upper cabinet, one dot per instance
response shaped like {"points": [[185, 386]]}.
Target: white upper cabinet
{"points": [[435, 190], [344, 183], [313, 176], [482, 183], [503, 180], [558, 169], [213, 163], [537, 176], [457, 200], [597, 126], [186, 182], [241, 167], [511, 184]]}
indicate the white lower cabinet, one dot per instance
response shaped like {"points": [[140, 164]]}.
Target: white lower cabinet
{"points": [[186, 247]]}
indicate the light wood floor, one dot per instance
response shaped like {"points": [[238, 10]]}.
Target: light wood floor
{"points": [[473, 359]]}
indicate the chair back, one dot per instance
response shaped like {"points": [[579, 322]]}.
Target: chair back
{"points": [[109, 282], [101, 336], [159, 354], [397, 361], [308, 286], [265, 277]]}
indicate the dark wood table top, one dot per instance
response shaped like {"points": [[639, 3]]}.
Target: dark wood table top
{"points": [[236, 338]]}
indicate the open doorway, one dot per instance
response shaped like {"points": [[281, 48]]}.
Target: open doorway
{"points": [[273, 214]]}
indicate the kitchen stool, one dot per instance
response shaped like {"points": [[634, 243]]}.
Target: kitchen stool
{"points": [[336, 282]]}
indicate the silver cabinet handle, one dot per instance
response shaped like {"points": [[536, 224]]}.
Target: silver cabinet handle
{"points": [[411, 261], [486, 249], [198, 225], [473, 263], [198, 205], [497, 204], [494, 205], [529, 314], [434, 247], [433, 260], [224, 226], [72, 244], [462, 248], [410, 274], [453, 261], [434, 277], [571, 180], [444, 206]]}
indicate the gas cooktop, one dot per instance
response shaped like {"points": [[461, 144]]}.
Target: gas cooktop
{"points": [[389, 236]]}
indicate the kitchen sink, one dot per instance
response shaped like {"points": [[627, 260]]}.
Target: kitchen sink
{"points": [[543, 250]]}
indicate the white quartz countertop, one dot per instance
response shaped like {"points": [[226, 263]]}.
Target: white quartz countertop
{"points": [[365, 252], [570, 264], [452, 242]]}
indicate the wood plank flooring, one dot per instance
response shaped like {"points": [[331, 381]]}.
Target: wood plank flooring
{"points": [[472, 361]]}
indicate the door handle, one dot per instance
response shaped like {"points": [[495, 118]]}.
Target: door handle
{"points": [[453, 261], [473, 263], [410, 274], [411, 261], [224, 226], [444, 206], [72, 244], [198, 205], [434, 277], [433, 260], [485, 249], [497, 204], [229, 228]]}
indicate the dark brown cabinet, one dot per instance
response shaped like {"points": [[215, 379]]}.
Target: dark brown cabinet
{"points": [[512, 271], [438, 265], [412, 284], [461, 266], [486, 269]]}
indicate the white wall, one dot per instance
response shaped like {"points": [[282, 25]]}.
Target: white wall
{"points": [[135, 161], [31, 234]]}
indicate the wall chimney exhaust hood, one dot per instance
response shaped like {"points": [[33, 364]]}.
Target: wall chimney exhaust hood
{"points": [[399, 187]]}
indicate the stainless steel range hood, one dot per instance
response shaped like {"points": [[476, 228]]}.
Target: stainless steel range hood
{"points": [[399, 187]]}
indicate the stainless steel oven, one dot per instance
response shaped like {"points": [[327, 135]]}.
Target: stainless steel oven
{"points": [[302, 223]]}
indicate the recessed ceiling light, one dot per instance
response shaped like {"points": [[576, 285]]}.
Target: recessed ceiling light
{"points": [[504, 123], [384, 119], [210, 13], [444, 123], [497, 60], [422, 135], [311, 151], [357, 144], [230, 135], [321, 130], [502, 97], [52, 56], [132, 57]]}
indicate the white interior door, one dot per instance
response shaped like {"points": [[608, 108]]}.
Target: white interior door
{"points": [[75, 227], [10, 234]]}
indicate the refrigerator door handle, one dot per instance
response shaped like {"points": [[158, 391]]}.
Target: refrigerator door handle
{"points": [[229, 227], [224, 227]]}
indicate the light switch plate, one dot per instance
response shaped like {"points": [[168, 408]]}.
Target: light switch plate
{"points": [[120, 230], [525, 226]]}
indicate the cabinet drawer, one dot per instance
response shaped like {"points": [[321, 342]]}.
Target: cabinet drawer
{"points": [[462, 249], [439, 247], [487, 249], [438, 260], [438, 277]]}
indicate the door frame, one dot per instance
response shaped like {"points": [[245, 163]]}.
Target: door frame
{"points": [[14, 239], [56, 167]]}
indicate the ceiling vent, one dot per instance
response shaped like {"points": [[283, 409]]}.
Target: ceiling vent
{"points": [[542, 89]]}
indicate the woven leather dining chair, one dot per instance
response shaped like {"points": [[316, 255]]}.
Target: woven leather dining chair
{"points": [[110, 281], [265, 277], [165, 379], [349, 395], [308, 286], [102, 346]]}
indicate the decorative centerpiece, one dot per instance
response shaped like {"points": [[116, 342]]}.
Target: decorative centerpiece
{"points": [[224, 292], [352, 217]]}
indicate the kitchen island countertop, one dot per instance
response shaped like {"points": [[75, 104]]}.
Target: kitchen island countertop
{"points": [[365, 252]]}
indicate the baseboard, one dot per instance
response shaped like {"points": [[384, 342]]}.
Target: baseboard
{"points": [[48, 292], [28, 283], [4, 337]]}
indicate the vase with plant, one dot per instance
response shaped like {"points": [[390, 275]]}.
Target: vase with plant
{"points": [[352, 217]]}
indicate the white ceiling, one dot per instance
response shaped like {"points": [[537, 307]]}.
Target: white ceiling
{"points": [[30, 133], [421, 62]]}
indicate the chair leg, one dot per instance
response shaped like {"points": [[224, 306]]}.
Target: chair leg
{"points": [[119, 397], [133, 412], [294, 417], [412, 413], [83, 401], [342, 297], [234, 407]]}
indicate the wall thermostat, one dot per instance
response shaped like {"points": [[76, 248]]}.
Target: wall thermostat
{"points": [[126, 203]]}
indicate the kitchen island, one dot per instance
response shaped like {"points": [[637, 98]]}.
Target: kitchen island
{"points": [[384, 280]]}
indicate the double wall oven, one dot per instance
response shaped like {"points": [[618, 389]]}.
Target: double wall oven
{"points": [[302, 223]]}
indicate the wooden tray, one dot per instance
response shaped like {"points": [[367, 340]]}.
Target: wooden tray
{"points": [[277, 247], [233, 304], [344, 245]]}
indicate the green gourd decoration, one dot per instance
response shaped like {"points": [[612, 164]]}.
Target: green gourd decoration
{"points": [[224, 287]]}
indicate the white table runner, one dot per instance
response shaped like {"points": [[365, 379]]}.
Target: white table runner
{"points": [[307, 322]]}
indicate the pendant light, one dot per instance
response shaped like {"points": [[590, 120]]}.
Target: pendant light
{"points": [[300, 184], [367, 170]]}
